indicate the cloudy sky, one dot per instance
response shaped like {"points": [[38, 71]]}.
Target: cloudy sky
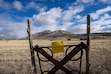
{"points": [[69, 15]]}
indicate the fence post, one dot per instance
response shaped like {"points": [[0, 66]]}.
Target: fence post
{"points": [[88, 44], [31, 47]]}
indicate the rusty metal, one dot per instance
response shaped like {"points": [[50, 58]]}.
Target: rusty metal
{"points": [[68, 57], [59, 65]]}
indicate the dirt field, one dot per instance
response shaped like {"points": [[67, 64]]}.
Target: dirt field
{"points": [[15, 57]]}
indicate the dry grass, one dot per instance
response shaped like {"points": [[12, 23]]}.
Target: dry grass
{"points": [[15, 57]]}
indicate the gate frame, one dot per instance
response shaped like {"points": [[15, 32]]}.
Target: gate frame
{"points": [[63, 61]]}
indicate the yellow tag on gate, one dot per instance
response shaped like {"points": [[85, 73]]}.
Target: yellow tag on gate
{"points": [[57, 47]]}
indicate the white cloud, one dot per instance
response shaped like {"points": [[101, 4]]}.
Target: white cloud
{"points": [[87, 1], [105, 1], [98, 13], [68, 14], [82, 19], [77, 29], [84, 2], [78, 17], [57, 18], [106, 28], [103, 22], [48, 18], [53, 14], [11, 29], [64, 26], [54, 19], [4, 5], [36, 6], [17, 5]]}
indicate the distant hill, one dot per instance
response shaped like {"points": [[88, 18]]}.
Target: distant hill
{"points": [[61, 34], [105, 35], [58, 34]]}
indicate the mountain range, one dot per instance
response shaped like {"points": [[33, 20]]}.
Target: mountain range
{"points": [[61, 34]]}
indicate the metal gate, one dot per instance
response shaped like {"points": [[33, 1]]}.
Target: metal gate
{"points": [[68, 56]]}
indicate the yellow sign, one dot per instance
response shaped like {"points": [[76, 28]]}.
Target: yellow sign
{"points": [[57, 47]]}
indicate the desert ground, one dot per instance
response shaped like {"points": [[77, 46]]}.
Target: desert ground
{"points": [[15, 56]]}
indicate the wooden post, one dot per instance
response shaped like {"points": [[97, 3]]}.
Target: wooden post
{"points": [[88, 44], [31, 47]]}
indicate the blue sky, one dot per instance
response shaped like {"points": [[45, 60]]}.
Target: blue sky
{"points": [[68, 15]]}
